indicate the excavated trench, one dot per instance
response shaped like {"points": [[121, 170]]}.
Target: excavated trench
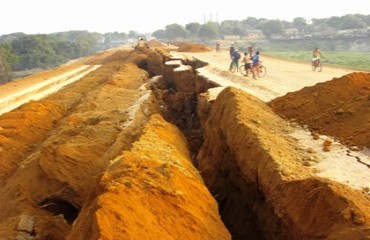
{"points": [[242, 206], [101, 160]]}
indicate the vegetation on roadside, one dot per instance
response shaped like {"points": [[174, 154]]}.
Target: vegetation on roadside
{"points": [[21, 53], [354, 60]]}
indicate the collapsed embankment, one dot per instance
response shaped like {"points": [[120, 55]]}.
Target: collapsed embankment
{"points": [[256, 173], [103, 162]]}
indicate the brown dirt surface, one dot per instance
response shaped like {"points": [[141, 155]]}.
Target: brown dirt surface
{"points": [[145, 187], [339, 107], [155, 43], [192, 47], [96, 160], [86, 148], [252, 142]]}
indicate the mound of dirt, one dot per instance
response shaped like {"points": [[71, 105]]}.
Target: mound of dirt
{"points": [[339, 108], [192, 47], [155, 43]]}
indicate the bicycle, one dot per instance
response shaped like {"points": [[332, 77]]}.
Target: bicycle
{"points": [[259, 71], [316, 65], [243, 71]]}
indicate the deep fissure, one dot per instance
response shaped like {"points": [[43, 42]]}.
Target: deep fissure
{"points": [[59, 206], [242, 206]]}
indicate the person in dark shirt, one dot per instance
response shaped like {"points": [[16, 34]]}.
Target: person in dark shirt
{"points": [[256, 60], [235, 57]]}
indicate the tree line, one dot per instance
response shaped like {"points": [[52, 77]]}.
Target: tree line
{"points": [[20, 52], [215, 30]]}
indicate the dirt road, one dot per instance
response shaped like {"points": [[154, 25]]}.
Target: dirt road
{"points": [[282, 76]]}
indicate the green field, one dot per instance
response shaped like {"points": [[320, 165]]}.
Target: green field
{"points": [[354, 60]]}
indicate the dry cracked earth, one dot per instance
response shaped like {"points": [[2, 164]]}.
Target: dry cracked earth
{"points": [[143, 144]]}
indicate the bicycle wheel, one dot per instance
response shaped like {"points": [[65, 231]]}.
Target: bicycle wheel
{"points": [[242, 70], [262, 71]]}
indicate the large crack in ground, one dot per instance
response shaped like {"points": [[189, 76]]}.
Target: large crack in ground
{"points": [[99, 162], [248, 178]]}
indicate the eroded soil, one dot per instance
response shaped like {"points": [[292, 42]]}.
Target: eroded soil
{"points": [[142, 148]]}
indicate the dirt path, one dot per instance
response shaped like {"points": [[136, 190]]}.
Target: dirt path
{"points": [[282, 76]]}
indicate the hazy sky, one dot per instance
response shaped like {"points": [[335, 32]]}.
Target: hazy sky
{"points": [[46, 16]]}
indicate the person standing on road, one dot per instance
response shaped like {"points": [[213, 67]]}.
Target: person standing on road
{"points": [[231, 49], [247, 63], [250, 50], [316, 55], [235, 57], [256, 60], [218, 49]]}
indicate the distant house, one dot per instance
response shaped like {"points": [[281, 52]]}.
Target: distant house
{"points": [[231, 37], [254, 34], [277, 36], [292, 33]]}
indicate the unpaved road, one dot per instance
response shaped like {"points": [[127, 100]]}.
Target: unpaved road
{"points": [[282, 76]]}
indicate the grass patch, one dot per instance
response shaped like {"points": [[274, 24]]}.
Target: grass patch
{"points": [[354, 60]]}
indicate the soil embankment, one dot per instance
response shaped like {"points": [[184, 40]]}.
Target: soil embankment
{"points": [[95, 153], [339, 107], [250, 162]]}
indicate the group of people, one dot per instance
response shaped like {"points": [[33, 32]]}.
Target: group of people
{"points": [[251, 62]]}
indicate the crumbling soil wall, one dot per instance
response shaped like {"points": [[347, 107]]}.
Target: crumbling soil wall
{"points": [[255, 172], [151, 191]]}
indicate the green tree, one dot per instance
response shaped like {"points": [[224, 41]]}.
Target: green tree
{"points": [[133, 34], [250, 21], [6, 59], [270, 27], [160, 34], [175, 30], [351, 22], [334, 22], [299, 23], [208, 31], [193, 28]]}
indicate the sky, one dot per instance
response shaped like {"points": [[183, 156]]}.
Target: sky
{"points": [[144, 16]]}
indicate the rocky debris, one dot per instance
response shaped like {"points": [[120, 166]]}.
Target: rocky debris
{"points": [[25, 227]]}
